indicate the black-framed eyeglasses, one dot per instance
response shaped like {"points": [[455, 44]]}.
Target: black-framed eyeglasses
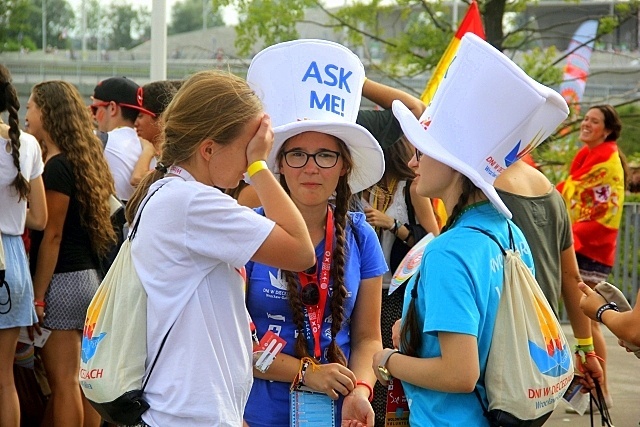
{"points": [[310, 293], [325, 159], [418, 154]]}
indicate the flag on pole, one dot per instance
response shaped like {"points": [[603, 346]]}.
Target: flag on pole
{"points": [[472, 22], [577, 68]]}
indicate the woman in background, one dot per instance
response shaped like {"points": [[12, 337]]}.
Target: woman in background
{"points": [[149, 125], [64, 257], [20, 182], [594, 194]]}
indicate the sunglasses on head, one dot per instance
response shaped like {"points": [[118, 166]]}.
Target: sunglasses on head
{"points": [[310, 294]]}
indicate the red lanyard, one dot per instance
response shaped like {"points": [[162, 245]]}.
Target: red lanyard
{"points": [[315, 313]]}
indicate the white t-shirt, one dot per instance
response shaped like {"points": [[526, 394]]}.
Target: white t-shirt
{"points": [[122, 153], [13, 213], [190, 241]]}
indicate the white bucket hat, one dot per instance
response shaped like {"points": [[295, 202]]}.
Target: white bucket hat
{"points": [[486, 114], [316, 86]]}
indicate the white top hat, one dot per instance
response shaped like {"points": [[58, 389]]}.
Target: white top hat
{"points": [[316, 86], [486, 114]]}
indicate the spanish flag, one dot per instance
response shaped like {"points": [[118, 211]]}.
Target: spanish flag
{"points": [[594, 194], [472, 22]]}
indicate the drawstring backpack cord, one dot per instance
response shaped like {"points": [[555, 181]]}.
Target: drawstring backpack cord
{"points": [[600, 403]]}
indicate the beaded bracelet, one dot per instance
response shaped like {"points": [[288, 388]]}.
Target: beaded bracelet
{"points": [[608, 306], [298, 381]]}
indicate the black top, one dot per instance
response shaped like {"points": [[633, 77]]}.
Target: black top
{"points": [[76, 253]]}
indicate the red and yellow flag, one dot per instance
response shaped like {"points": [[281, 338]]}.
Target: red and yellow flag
{"points": [[594, 193], [472, 22]]}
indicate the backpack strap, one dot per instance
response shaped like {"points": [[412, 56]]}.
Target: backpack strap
{"points": [[485, 410], [131, 236], [134, 229], [146, 380]]}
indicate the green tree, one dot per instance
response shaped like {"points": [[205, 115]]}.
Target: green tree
{"points": [[418, 35], [128, 25], [186, 15], [59, 22], [13, 24]]}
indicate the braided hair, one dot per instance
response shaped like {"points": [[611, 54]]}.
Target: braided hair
{"points": [[340, 252], [9, 102]]}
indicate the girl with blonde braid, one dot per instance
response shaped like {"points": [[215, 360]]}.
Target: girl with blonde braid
{"points": [[64, 257], [328, 315]]}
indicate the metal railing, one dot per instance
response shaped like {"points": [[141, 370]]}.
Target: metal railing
{"points": [[625, 270]]}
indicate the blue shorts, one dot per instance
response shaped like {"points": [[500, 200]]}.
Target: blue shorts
{"points": [[16, 294]]}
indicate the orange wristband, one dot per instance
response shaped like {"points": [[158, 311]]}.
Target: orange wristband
{"points": [[366, 384], [39, 303]]}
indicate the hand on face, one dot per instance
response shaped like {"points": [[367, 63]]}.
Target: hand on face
{"points": [[261, 143]]}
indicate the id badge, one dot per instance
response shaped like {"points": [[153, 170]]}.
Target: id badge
{"points": [[266, 351], [311, 409], [397, 414]]}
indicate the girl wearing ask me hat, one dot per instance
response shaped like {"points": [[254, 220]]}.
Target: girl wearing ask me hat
{"points": [[329, 316], [486, 114]]}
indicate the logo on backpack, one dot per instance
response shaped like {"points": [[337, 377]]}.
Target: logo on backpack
{"points": [[555, 359], [89, 342]]}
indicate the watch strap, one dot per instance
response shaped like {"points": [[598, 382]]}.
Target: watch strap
{"points": [[385, 359]]}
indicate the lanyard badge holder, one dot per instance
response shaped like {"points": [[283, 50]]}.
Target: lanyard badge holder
{"points": [[397, 412], [309, 408]]}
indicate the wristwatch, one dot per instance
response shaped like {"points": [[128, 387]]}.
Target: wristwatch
{"points": [[382, 367]]}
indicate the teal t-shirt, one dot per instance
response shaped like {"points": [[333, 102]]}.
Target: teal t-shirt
{"points": [[459, 289]]}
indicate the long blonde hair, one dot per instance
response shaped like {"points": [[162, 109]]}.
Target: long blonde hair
{"points": [[68, 122], [209, 105]]}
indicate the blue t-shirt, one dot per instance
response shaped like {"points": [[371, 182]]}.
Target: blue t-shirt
{"points": [[460, 283], [268, 306]]}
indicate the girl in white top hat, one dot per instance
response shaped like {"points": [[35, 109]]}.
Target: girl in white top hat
{"points": [[329, 316], [485, 114]]}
